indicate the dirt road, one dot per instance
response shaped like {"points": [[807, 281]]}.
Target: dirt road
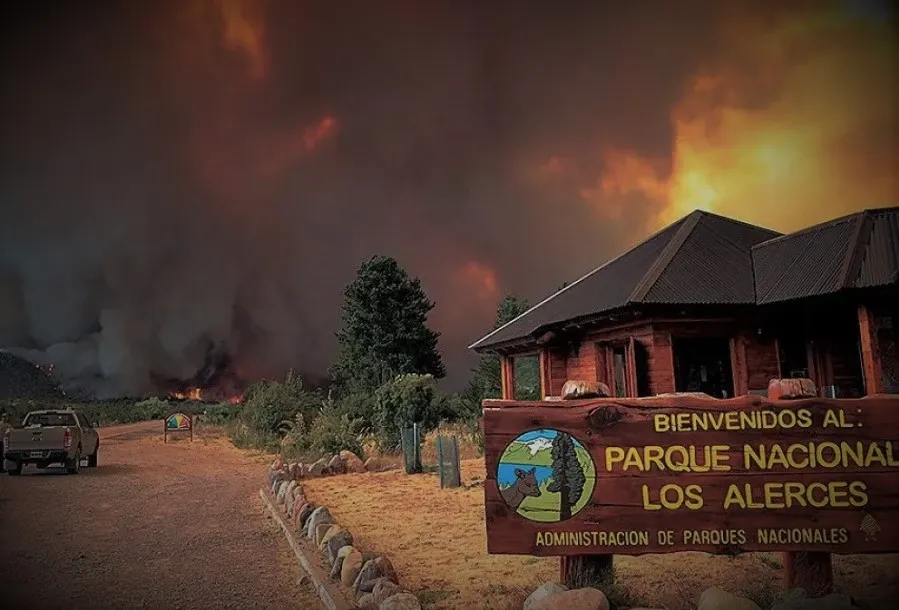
{"points": [[177, 525]]}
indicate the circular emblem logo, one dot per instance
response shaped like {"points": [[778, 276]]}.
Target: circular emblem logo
{"points": [[546, 475]]}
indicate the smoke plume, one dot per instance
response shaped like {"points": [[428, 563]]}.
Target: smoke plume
{"points": [[189, 185]]}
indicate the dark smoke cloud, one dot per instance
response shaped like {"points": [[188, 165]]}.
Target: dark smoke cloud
{"points": [[160, 198]]}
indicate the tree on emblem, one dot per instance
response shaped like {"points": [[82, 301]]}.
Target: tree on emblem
{"points": [[567, 475]]}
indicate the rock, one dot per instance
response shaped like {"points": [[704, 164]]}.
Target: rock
{"points": [[542, 592], [338, 561], [372, 464], [334, 541], [323, 540], [373, 569], [352, 461], [319, 516], [302, 470], [383, 589], [352, 565], [304, 515], [574, 389], [719, 599], [288, 491], [336, 465], [401, 601], [289, 505], [282, 489], [796, 599], [575, 599], [292, 470], [320, 530], [316, 469]]}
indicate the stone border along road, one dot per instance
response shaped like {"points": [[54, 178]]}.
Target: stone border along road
{"points": [[156, 526], [327, 592]]}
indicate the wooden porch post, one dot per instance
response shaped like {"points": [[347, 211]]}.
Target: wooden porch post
{"points": [[507, 377], [545, 376], [871, 365], [739, 368]]}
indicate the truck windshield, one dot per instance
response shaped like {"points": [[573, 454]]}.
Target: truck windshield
{"points": [[50, 419]]}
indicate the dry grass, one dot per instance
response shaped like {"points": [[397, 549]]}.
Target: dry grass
{"points": [[436, 540]]}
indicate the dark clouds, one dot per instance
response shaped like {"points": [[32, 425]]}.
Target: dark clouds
{"points": [[160, 195]]}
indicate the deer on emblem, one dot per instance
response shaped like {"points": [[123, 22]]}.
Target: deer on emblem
{"points": [[525, 486]]}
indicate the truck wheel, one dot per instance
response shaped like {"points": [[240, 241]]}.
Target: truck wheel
{"points": [[92, 459], [15, 470], [74, 465]]}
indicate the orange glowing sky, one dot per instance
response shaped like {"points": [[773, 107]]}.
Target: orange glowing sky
{"points": [[793, 123], [216, 170]]}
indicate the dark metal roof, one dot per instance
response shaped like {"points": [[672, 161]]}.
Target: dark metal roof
{"points": [[702, 258], [712, 266], [857, 251]]}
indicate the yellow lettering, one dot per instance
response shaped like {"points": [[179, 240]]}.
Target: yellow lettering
{"points": [[632, 460], [661, 423], [794, 494], [653, 456], [791, 458], [891, 460], [843, 422], [786, 418], [647, 503], [857, 494], [732, 419], [838, 494], [811, 500], [804, 418], [753, 459], [614, 455], [719, 456], [830, 419], [823, 459], [874, 455], [733, 496], [540, 539], [694, 499], [683, 421], [773, 495]]}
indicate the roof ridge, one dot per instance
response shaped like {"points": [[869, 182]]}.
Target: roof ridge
{"points": [[861, 234], [580, 279], [817, 227], [655, 271]]}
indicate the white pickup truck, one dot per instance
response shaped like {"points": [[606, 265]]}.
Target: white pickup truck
{"points": [[47, 437]]}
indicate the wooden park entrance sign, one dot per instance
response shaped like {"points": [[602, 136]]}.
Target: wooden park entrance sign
{"points": [[683, 473], [177, 422]]}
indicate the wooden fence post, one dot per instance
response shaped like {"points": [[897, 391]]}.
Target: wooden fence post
{"points": [[810, 571]]}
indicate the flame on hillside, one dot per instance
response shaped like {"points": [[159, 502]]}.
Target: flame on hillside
{"points": [[199, 394]]}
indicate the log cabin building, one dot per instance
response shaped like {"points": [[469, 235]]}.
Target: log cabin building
{"points": [[710, 304]]}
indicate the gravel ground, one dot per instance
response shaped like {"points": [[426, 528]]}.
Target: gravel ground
{"points": [[162, 526]]}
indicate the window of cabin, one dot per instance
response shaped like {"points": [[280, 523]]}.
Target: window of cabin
{"points": [[527, 377], [702, 364], [619, 372]]}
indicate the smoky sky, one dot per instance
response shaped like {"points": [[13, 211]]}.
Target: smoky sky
{"points": [[181, 175]]}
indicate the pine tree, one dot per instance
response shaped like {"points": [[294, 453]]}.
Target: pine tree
{"points": [[384, 331], [567, 475]]}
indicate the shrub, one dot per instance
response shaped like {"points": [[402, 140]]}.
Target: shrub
{"points": [[220, 414], [154, 408], [268, 404], [329, 432], [399, 403]]}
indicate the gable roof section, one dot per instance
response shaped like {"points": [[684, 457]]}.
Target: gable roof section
{"points": [[856, 251], [701, 258]]}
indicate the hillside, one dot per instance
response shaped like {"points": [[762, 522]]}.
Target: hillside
{"points": [[22, 379]]}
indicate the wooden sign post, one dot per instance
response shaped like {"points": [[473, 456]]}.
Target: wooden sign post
{"points": [[684, 473], [177, 422]]}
